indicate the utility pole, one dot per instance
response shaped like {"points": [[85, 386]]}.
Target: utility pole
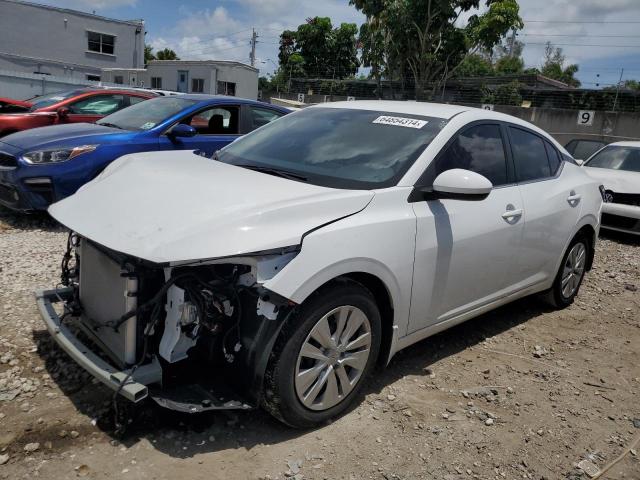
{"points": [[512, 40], [254, 40], [615, 102]]}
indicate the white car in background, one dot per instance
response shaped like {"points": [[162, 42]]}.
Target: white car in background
{"points": [[617, 167], [281, 272]]}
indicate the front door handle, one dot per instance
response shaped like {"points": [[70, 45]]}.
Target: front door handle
{"points": [[512, 215], [574, 198]]}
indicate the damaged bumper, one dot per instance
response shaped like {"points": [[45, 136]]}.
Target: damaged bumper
{"points": [[134, 389]]}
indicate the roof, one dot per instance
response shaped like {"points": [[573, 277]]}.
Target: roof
{"points": [[625, 144], [439, 110], [212, 63], [136, 23]]}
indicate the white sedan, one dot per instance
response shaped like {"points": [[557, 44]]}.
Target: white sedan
{"points": [[279, 273], [617, 166]]}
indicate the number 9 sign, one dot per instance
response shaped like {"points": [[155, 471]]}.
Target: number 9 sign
{"points": [[585, 117]]}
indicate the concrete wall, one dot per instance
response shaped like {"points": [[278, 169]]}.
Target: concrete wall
{"points": [[565, 125], [562, 124], [55, 41], [21, 85]]}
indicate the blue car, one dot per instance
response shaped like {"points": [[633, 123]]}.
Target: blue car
{"points": [[41, 166]]}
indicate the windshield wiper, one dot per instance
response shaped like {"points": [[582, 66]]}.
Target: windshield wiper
{"points": [[112, 125], [276, 172]]}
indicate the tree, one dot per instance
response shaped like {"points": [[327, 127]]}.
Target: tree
{"points": [[148, 54], [167, 54], [320, 50], [424, 36], [509, 65], [632, 85], [475, 65], [553, 66]]}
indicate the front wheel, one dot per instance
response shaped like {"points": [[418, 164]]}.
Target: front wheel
{"points": [[571, 273], [323, 356]]}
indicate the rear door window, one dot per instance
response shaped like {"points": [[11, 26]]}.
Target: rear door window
{"points": [[554, 157], [529, 155], [479, 149], [98, 105], [262, 116]]}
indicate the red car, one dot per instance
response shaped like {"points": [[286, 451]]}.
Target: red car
{"points": [[81, 105]]}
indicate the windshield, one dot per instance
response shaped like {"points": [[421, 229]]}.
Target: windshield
{"points": [[146, 115], [617, 158], [337, 147], [50, 99]]}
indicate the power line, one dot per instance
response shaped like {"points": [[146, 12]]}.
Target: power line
{"points": [[585, 45], [582, 21], [567, 35]]}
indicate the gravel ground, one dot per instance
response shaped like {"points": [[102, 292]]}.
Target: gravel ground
{"points": [[522, 392]]}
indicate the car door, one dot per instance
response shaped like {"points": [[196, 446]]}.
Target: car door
{"points": [[90, 109], [216, 126], [551, 204], [465, 249]]}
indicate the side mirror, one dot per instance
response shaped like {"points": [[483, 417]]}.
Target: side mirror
{"points": [[182, 130], [63, 112], [579, 162], [461, 184]]}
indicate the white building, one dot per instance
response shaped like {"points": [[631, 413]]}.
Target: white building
{"points": [[191, 76], [66, 43]]}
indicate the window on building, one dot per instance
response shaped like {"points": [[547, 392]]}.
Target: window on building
{"points": [[529, 155], [119, 79], [93, 78], [101, 42], [156, 82], [197, 85], [226, 88], [479, 149]]}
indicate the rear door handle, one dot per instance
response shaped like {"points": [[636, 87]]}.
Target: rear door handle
{"points": [[512, 214], [574, 198]]}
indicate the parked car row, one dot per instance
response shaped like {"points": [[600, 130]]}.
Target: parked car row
{"points": [[284, 255], [41, 166]]}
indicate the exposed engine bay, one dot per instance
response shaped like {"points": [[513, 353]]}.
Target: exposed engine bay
{"points": [[193, 337]]}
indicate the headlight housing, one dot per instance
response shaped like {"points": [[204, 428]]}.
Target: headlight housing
{"points": [[57, 155]]}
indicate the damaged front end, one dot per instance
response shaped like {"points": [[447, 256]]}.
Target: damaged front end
{"points": [[192, 336]]}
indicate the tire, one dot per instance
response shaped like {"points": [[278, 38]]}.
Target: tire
{"points": [[297, 399], [570, 274]]}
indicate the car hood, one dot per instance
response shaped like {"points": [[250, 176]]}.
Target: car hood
{"points": [[70, 132], [616, 180], [168, 207]]}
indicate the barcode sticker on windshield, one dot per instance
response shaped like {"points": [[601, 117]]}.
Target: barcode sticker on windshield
{"points": [[400, 121]]}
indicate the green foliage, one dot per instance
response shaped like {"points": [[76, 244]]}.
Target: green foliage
{"points": [[553, 66], [167, 54], [509, 66], [509, 94], [475, 65], [632, 85], [317, 49], [421, 36], [148, 54]]}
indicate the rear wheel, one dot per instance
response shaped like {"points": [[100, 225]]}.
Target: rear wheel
{"points": [[571, 273], [323, 356]]}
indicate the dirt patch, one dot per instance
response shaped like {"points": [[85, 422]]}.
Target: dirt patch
{"points": [[522, 392]]}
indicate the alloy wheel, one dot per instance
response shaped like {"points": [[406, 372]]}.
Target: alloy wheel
{"points": [[573, 269], [333, 357]]}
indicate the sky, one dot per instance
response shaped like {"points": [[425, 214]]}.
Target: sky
{"points": [[221, 29]]}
